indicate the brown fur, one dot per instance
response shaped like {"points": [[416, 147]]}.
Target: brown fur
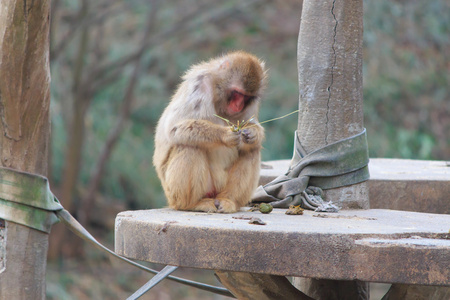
{"points": [[202, 164]]}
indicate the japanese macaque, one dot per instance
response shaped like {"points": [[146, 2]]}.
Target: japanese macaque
{"points": [[202, 163]]}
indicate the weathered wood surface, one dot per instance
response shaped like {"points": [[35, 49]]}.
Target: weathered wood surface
{"points": [[401, 184], [368, 245], [24, 135]]}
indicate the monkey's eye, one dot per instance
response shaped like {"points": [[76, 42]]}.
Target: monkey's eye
{"points": [[237, 96], [249, 99]]}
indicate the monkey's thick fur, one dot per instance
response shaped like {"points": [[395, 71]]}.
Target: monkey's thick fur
{"points": [[202, 164]]}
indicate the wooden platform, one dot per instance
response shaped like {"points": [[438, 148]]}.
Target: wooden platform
{"points": [[376, 245], [372, 245]]}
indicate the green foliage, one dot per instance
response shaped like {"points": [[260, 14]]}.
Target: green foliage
{"points": [[406, 93]]}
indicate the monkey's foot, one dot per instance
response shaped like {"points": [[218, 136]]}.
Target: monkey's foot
{"points": [[225, 205], [206, 205]]}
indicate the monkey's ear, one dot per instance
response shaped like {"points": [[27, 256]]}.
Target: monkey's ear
{"points": [[263, 64], [201, 89], [225, 64]]}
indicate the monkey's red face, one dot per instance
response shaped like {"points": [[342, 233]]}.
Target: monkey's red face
{"points": [[236, 84], [238, 100]]}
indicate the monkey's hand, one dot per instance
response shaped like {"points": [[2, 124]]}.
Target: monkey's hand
{"points": [[231, 138], [249, 136]]}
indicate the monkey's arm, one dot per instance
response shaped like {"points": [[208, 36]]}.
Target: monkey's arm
{"points": [[202, 133]]}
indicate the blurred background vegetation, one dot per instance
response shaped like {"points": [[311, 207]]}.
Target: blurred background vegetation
{"points": [[115, 64]]}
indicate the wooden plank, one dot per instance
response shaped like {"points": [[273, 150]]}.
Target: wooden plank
{"points": [[368, 245], [400, 184]]}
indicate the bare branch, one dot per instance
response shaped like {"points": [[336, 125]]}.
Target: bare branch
{"points": [[186, 24], [114, 134], [96, 16]]}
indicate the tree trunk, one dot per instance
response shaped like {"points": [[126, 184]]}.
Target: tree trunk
{"points": [[80, 104], [330, 103], [60, 243], [25, 130], [330, 82]]}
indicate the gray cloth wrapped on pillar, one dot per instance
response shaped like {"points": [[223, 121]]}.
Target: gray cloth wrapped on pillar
{"points": [[339, 164]]}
